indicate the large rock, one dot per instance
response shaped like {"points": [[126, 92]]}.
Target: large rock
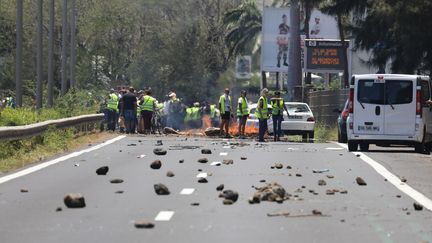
{"points": [[212, 132], [170, 130], [230, 195], [159, 151], [360, 181], [102, 170], [161, 189], [156, 165], [74, 200], [271, 192]]}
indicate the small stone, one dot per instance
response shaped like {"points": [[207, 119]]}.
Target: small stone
{"points": [[228, 162], [279, 200], [303, 187], [418, 206], [199, 170], [144, 225], [230, 195], [335, 190], [278, 166], [102, 170], [203, 160], [289, 167], [315, 193], [262, 181], [330, 176], [243, 158], [116, 181], [330, 192], [404, 180], [357, 155], [161, 189], [202, 180], [322, 183], [220, 187], [181, 161], [209, 174], [74, 200], [298, 175], [159, 143], [311, 191], [156, 165], [360, 181], [342, 220], [195, 204], [272, 167], [227, 202], [385, 180], [398, 196], [159, 151], [344, 192], [129, 145], [120, 151], [119, 192], [59, 209], [316, 212], [206, 151], [408, 213], [24, 190], [170, 174]]}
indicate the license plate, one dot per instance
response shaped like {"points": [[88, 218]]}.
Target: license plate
{"points": [[369, 128], [295, 117]]}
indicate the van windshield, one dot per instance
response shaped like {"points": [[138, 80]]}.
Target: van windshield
{"points": [[394, 92]]}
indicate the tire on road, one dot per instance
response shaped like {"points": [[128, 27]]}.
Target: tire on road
{"points": [[364, 146], [352, 146]]}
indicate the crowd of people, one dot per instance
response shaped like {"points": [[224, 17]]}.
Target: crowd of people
{"points": [[139, 112]]}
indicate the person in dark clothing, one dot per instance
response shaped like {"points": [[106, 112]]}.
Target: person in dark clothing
{"points": [[129, 109]]}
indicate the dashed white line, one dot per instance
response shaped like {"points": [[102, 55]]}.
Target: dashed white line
{"points": [[164, 216], [58, 160], [187, 191], [405, 188], [334, 148], [202, 175]]}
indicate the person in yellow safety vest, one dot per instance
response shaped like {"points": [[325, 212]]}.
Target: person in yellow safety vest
{"points": [[112, 109], [262, 114], [225, 107], [148, 106], [278, 106], [193, 116], [242, 113]]}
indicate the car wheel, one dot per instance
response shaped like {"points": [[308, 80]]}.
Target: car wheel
{"points": [[352, 146], [420, 148], [364, 146]]}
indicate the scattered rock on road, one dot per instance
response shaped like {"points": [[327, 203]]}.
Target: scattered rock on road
{"points": [[271, 192], [289, 167], [195, 204], [298, 175], [243, 158], [116, 181], [227, 202], [403, 179], [159, 143], [206, 151], [143, 225], [418, 206], [159, 151], [220, 187], [24, 190], [316, 212], [74, 200], [360, 181], [170, 174], [161, 189], [119, 192], [156, 165], [59, 209], [181, 161], [322, 183], [202, 180], [278, 165], [203, 160], [330, 192], [102, 170], [170, 130], [230, 195], [228, 162], [212, 132]]}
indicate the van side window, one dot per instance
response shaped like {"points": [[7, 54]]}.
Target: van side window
{"points": [[425, 91]]}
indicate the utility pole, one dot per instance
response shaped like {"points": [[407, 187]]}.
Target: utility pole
{"points": [[294, 68], [72, 43], [51, 54], [64, 51], [39, 78], [18, 61]]}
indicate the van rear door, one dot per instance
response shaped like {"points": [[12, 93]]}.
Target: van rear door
{"points": [[369, 106], [400, 107]]}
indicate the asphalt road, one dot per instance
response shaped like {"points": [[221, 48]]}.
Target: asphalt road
{"points": [[378, 212]]}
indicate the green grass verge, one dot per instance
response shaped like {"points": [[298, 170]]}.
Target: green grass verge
{"points": [[325, 133]]}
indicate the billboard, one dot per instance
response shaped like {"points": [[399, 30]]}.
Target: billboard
{"points": [[325, 56], [275, 39], [243, 67], [322, 26]]}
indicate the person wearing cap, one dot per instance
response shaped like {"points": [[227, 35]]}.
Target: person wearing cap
{"points": [[129, 110], [278, 106], [111, 110], [242, 113], [225, 107], [148, 107], [262, 114]]}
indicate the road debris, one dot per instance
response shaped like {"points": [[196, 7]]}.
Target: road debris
{"points": [[159, 151], [320, 170], [203, 160], [143, 225], [102, 170], [59, 209], [24, 190], [243, 158], [289, 167], [181, 161], [159, 143], [156, 165], [344, 192], [403, 179], [278, 166], [322, 183], [316, 212], [212, 132], [228, 162], [360, 181], [119, 192], [170, 130], [271, 192], [330, 176], [183, 147], [278, 214], [418, 206], [206, 151], [220, 187], [230, 195], [202, 180], [141, 156], [161, 189], [227, 202], [170, 174], [195, 204], [132, 145], [330, 192], [116, 181], [298, 175], [74, 200]]}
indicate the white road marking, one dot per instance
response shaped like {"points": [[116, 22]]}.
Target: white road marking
{"points": [[187, 191], [202, 175], [405, 188], [334, 148], [164, 216], [223, 154], [216, 163], [226, 147], [58, 160]]}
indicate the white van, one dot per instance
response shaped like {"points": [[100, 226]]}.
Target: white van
{"points": [[386, 109]]}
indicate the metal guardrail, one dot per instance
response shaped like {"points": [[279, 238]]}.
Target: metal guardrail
{"points": [[9, 133]]}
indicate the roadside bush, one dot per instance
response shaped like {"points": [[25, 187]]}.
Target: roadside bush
{"points": [[324, 133]]}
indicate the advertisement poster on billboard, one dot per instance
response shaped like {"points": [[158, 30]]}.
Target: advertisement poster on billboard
{"points": [[275, 40], [322, 26], [243, 67]]}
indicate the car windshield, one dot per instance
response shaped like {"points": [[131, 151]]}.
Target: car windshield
{"points": [[392, 92], [293, 108]]}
